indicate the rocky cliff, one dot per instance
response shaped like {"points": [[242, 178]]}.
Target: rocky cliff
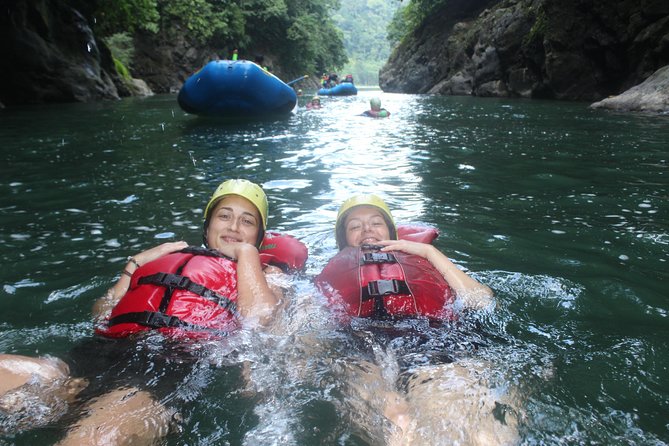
{"points": [[48, 53], [561, 49], [165, 62]]}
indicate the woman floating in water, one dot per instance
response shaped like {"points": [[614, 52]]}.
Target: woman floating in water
{"points": [[189, 294], [404, 295]]}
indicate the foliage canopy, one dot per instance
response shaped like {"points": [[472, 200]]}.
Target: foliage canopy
{"points": [[409, 16], [363, 24], [300, 32]]}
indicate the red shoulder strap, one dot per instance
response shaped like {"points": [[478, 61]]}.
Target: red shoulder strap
{"points": [[283, 250], [417, 233]]}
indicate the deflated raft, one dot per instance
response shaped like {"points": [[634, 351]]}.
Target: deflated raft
{"points": [[233, 89]]}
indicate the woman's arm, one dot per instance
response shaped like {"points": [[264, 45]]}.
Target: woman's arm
{"points": [[473, 293], [103, 306], [256, 300]]}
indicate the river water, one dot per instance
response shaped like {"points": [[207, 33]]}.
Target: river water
{"points": [[562, 210]]}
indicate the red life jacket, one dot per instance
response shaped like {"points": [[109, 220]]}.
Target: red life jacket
{"points": [[192, 290], [369, 283]]}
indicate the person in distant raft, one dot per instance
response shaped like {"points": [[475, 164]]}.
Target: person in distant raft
{"points": [[259, 60], [235, 54], [376, 110]]}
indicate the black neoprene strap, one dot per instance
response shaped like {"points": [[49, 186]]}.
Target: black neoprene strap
{"points": [[178, 282]]}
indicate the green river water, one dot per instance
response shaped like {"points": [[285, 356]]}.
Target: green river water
{"points": [[562, 210]]}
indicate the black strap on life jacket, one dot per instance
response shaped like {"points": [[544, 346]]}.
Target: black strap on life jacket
{"points": [[153, 319], [172, 282], [169, 290], [179, 282], [377, 289], [176, 281]]}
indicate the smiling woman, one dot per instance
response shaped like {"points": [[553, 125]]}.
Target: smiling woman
{"points": [[229, 268], [187, 293], [386, 275]]}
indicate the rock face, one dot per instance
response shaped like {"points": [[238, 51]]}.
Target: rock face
{"points": [[165, 62], [652, 95], [49, 54], [560, 49]]}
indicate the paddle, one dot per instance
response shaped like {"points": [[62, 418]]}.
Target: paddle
{"points": [[297, 80]]}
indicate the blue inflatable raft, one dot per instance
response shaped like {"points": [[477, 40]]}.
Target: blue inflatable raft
{"points": [[234, 89], [343, 89]]}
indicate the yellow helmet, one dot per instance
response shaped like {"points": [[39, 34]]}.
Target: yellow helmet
{"points": [[362, 200], [245, 189]]}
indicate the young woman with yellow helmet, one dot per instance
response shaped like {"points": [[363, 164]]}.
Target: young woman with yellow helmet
{"points": [[365, 220], [388, 272], [235, 221], [226, 284]]}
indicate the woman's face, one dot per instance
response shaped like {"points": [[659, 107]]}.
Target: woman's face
{"points": [[233, 220], [365, 225]]}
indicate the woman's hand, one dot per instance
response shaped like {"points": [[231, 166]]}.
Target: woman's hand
{"points": [[103, 306], [237, 251], [257, 301], [414, 248], [474, 294]]}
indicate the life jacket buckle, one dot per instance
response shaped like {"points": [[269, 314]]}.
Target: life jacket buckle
{"points": [[173, 281], [160, 320], [377, 257], [184, 283], [383, 287]]}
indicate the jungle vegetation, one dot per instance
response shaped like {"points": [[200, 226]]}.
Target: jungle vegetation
{"points": [[372, 28], [300, 32], [310, 36], [363, 24]]}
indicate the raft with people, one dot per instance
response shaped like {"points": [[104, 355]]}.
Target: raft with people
{"points": [[344, 88], [233, 89]]}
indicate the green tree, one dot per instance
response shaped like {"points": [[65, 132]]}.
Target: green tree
{"points": [[301, 32], [118, 16], [363, 24]]}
